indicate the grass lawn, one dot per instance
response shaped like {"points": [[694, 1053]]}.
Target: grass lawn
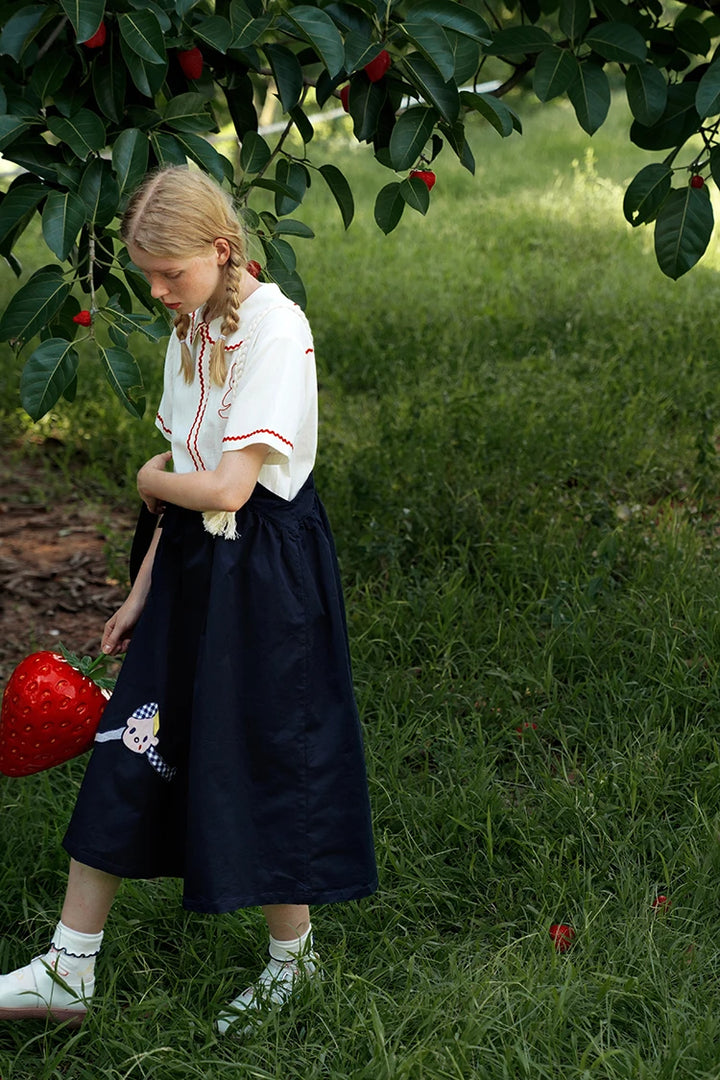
{"points": [[518, 426]]}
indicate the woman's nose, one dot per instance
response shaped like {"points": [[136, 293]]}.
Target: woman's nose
{"points": [[157, 288]]}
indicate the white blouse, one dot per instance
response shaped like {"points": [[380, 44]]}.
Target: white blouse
{"points": [[269, 395]]}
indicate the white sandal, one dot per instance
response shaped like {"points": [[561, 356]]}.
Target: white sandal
{"points": [[38, 992], [276, 985]]}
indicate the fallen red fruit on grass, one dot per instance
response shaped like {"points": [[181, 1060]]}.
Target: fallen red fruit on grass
{"points": [[562, 936], [345, 97], [254, 268], [191, 61], [527, 726], [83, 318], [50, 713], [697, 181], [427, 176], [377, 67], [98, 39], [661, 903]]}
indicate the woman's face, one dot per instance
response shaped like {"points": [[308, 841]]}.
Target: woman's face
{"points": [[184, 284]]}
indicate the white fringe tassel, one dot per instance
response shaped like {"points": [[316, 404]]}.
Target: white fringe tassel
{"points": [[221, 523]]}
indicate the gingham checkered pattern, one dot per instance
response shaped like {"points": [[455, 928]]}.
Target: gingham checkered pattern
{"points": [[144, 712], [159, 765]]}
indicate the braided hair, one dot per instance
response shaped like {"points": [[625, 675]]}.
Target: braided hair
{"points": [[179, 213]]}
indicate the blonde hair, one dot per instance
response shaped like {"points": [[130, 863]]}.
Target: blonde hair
{"points": [[179, 213]]}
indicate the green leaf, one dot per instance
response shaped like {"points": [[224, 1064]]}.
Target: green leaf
{"points": [[678, 122], [432, 41], [287, 74], [130, 159], [409, 135], [293, 227], [341, 192], [518, 40], [454, 17], [167, 149], [62, 219], [415, 193], [693, 36], [647, 91], [288, 280], [34, 304], [366, 103], [590, 96], [20, 28], [85, 16], [247, 29], [555, 71], [20, 201], [188, 112], [573, 18], [646, 193], [493, 109], [48, 373], [617, 41], [318, 28], [715, 164], [683, 229], [254, 154], [142, 33], [707, 97], [50, 72], [100, 192], [11, 127], [206, 156], [84, 132], [443, 95], [109, 81], [455, 135], [148, 78], [302, 123], [389, 206], [124, 376], [279, 254], [215, 31], [294, 177]]}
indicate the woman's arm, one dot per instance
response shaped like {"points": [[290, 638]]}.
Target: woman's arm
{"points": [[119, 628], [226, 488]]}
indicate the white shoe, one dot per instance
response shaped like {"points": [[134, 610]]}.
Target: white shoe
{"points": [[277, 984], [38, 991]]}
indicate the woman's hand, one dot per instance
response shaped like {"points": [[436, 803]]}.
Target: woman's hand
{"points": [[145, 478], [118, 629]]}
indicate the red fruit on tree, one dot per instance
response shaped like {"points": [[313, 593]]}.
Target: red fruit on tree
{"points": [[562, 936], [377, 67], [697, 181], [191, 61], [83, 318], [254, 268], [345, 97], [427, 176], [98, 38], [50, 713]]}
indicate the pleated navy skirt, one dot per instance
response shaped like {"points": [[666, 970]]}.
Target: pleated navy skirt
{"points": [[230, 754]]}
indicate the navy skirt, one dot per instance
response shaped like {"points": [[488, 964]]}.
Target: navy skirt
{"points": [[230, 754]]}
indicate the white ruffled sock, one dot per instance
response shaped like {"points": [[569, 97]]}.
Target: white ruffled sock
{"points": [[72, 955], [291, 963]]}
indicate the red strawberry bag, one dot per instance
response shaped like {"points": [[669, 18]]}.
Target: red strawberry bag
{"points": [[51, 709]]}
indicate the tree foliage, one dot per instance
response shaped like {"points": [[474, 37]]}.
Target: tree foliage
{"points": [[93, 93]]}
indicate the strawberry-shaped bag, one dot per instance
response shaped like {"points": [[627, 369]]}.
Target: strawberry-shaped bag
{"points": [[50, 712]]}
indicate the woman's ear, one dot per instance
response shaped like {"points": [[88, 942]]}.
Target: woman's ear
{"points": [[222, 250]]}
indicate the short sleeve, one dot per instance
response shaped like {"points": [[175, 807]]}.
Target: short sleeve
{"points": [[276, 389]]}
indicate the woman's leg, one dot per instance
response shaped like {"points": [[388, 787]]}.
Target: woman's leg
{"points": [[88, 898], [61, 982], [292, 960]]}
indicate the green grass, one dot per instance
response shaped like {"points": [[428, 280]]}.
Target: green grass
{"points": [[518, 455]]}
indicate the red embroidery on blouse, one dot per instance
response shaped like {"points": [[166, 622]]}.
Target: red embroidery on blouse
{"points": [[309, 351], [194, 432], [258, 431], [163, 425]]}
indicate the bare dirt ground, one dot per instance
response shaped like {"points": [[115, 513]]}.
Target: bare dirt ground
{"points": [[54, 579]]}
